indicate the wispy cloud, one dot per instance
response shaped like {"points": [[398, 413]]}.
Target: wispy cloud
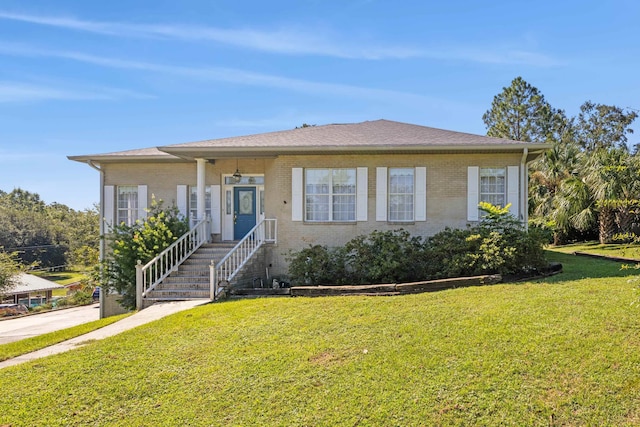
{"points": [[11, 91], [222, 74], [292, 41], [285, 40]]}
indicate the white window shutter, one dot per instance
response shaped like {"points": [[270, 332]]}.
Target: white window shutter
{"points": [[362, 193], [182, 200], [381, 194], [420, 204], [473, 192], [216, 216], [142, 201], [513, 190], [108, 210], [297, 195]]}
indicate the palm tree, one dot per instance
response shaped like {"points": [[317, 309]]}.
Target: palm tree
{"points": [[558, 165], [611, 176]]}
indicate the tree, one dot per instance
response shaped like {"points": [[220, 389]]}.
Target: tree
{"points": [[9, 269], [557, 166], [521, 113], [603, 126], [141, 241], [48, 234], [611, 175]]}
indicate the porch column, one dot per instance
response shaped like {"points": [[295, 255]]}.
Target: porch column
{"points": [[200, 183]]}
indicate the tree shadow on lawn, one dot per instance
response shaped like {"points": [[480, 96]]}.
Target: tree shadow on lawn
{"points": [[577, 267]]}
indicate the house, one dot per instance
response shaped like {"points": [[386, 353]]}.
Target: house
{"points": [[320, 184], [30, 290]]}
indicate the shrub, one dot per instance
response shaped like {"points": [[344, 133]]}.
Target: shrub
{"points": [[140, 241], [499, 244], [385, 257], [317, 265]]}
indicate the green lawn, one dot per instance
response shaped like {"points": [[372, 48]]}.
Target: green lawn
{"points": [[622, 250], [28, 345], [560, 351], [63, 277]]}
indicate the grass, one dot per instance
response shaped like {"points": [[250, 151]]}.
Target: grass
{"points": [[28, 345], [623, 250], [560, 351], [63, 277]]}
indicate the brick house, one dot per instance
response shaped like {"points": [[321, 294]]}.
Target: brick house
{"points": [[323, 184]]}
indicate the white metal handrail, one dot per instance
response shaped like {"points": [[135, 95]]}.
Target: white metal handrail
{"points": [[148, 276], [266, 231]]}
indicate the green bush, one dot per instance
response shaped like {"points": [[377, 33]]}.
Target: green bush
{"points": [[385, 257], [141, 241], [498, 244], [317, 265]]}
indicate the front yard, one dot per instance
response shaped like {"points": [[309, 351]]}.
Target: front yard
{"points": [[559, 351]]}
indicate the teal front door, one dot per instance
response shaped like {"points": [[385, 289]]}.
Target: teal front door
{"points": [[244, 211]]}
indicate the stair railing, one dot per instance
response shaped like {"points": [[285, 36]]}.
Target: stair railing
{"points": [[266, 231], [148, 276]]}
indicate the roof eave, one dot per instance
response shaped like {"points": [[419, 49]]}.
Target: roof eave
{"points": [[191, 153], [125, 158]]}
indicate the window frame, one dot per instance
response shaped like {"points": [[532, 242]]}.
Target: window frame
{"points": [[390, 194], [332, 196], [489, 196], [192, 196], [127, 214]]}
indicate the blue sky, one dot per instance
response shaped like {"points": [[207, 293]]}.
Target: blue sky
{"points": [[92, 77]]}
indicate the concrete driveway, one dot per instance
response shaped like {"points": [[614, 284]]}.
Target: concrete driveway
{"points": [[38, 324]]}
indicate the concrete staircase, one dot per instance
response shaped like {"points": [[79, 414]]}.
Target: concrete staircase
{"points": [[191, 280]]}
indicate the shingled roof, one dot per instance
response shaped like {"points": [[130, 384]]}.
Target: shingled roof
{"points": [[366, 137], [27, 283]]}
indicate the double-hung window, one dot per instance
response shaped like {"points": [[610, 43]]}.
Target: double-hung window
{"points": [[193, 202], [330, 195], [127, 210], [401, 194], [493, 186]]}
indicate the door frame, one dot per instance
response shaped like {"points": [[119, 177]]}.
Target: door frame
{"points": [[227, 202]]}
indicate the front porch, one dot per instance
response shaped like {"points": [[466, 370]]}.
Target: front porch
{"points": [[195, 268]]}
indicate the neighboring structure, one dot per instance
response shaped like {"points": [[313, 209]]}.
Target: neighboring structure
{"points": [[31, 290], [323, 184]]}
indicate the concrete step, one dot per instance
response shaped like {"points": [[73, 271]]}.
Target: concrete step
{"points": [[185, 279], [183, 285], [179, 293]]}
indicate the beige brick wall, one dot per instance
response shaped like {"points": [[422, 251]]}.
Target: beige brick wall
{"points": [[446, 192], [162, 179], [446, 198]]}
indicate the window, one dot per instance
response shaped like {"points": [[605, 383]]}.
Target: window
{"points": [[330, 194], [127, 204], [193, 202], [401, 193], [492, 186]]}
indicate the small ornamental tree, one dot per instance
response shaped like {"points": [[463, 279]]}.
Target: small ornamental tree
{"points": [[126, 244]]}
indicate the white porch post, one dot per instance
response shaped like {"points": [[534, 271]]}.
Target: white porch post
{"points": [[200, 180]]}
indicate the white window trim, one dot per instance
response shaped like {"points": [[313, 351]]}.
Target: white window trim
{"points": [[511, 191], [413, 194], [331, 195], [191, 197], [120, 211], [419, 194]]}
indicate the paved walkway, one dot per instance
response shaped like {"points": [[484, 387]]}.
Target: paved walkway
{"points": [[155, 312], [42, 323]]}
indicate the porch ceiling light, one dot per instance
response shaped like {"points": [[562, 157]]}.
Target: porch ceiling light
{"points": [[237, 176]]}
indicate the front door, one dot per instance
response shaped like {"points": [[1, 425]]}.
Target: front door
{"points": [[244, 211]]}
